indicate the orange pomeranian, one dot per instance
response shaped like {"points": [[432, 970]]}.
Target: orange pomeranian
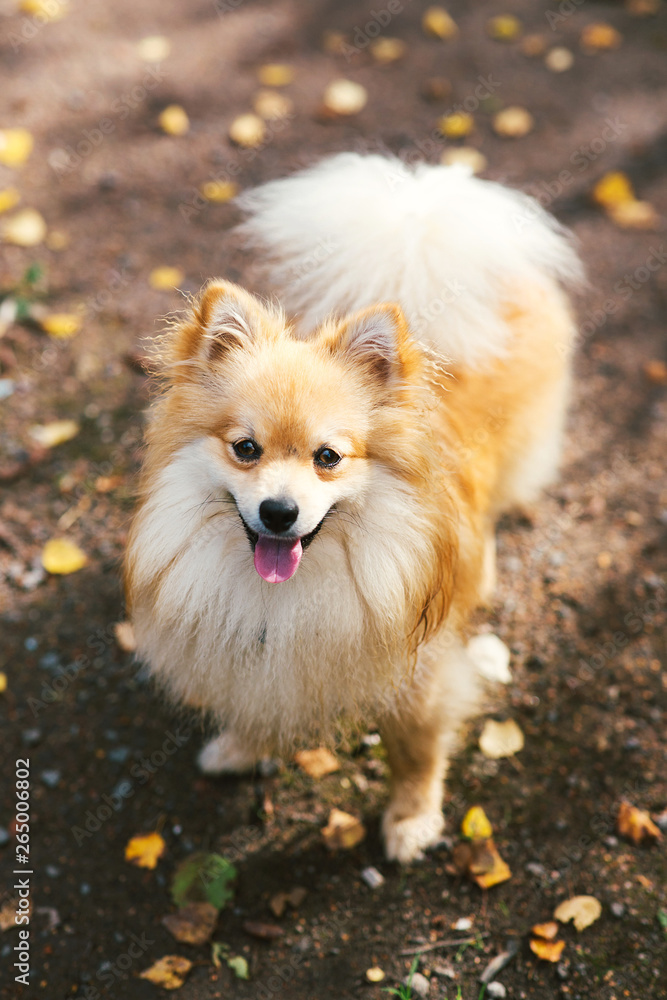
{"points": [[320, 489]]}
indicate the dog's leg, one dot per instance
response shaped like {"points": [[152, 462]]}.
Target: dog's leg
{"points": [[225, 755]]}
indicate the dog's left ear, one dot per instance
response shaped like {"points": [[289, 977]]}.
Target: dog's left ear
{"points": [[376, 339]]}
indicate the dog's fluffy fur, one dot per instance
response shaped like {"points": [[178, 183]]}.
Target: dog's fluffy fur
{"points": [[446, 409]]}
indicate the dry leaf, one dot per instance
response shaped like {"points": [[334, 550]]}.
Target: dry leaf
{"points": [[54, 433], [62, 326], [25, 228], [275, 74], [548, 931], [584, 910], [476, 825], [387, 50], [9, 198], [317, 762], [457, 125], [656, 371], [375, 975], [636, 825], [294, 897], [153, 48], [174, 120], [165, 278], [465, 156], [219, 191], [613, 189], [248, 131], [145, 850], [125, 636], [15, 146], [600, 36], [343, 831], [263, 931], [513, 122], [559, 60], [168, 972], [344, 97], [269, 104], [487, 868], [61, 557], [548, 951], [193, 924], [634, 215], [501, 739], [438, 23], [504, 27]]}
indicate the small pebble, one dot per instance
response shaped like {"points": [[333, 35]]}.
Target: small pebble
{"points": [[618, 910], [496, 989], [53, 871], [51, 778], [50, 661], [372, 877], [85, 889], [31, 643], [420, 984], [31, 736], [118, 755], [4, 836]]}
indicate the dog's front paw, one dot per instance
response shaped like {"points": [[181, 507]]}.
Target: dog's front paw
{"points": [[225, 755], [406, 838]]}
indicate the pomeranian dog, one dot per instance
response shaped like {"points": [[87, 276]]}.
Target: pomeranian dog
{"points": [[321, 485]]}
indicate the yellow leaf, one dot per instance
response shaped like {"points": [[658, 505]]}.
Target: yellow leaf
{"points": [[248, 131], [600, 36], [3, 683], [45, 10], [60, 556], [168, 972], [547, 931], [343, 831], [62, 326], [9, 197], [344, 97], [219, 191], [153, 48], [54, 433], [513, 122], [174, 120], [438, 23], [317, 762], [165, 278], [145, 850], [476, 825], [487, 868], [275, 74], [457, 125], [634, 215], [548, 951], [501, 739], [584, 910], [636, 825], [387, 50], [15, 146], [613, 189], [504, 27], [25, 228]]}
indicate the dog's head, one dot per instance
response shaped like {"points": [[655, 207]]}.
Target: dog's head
{"points": [[292, 423]]}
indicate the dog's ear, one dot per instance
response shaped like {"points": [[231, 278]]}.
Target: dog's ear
{"points": [[227, 317], [376, 339]]}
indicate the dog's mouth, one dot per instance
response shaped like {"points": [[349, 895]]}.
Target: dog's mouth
{"points": [[277, 559]]}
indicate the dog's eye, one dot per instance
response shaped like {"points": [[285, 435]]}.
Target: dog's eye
{"points": [[247, 448], [327, 458]]}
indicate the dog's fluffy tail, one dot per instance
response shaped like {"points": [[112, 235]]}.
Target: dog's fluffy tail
{"points": [[450, 248]]}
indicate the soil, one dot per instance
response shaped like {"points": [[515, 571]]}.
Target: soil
{"points": [[582, 597]]}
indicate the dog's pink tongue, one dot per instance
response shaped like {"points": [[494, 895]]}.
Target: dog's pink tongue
{"points": [[277, 559]]}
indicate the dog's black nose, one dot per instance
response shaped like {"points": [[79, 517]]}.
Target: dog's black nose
{"points": [[278, 515]]}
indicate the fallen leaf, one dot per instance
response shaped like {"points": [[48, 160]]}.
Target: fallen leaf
{"points": [[513, 122], [387, 50], [439, 24], [239, 966], [269, 105], [125, 636], [145, 850], [248, 131], [613, 188], [174, 120], [165, 278], [583, 910], [294, 898], [501, 739], [548, 931], [635, 824], [25, 228], [343, 831], [375, 975], [504, 27], [262, 930], [168, 972], [480, 861], [9, 198], [559, 60], [61, 557], [465, 156], [656, 371], [275, 74], [16, 145], [193, 924], [548, 951], [476, 825], [344, 97], [600, 36], [634, 215], [54, 433], [153, 48], [203, 877], [219, 191], [457, 125], [317, 762], [62, 326]]}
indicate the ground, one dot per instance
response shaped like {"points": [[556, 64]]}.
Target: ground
{"points": [[581, 600]]}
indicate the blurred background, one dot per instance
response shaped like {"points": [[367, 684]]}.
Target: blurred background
{"points": [[126, 129]]}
